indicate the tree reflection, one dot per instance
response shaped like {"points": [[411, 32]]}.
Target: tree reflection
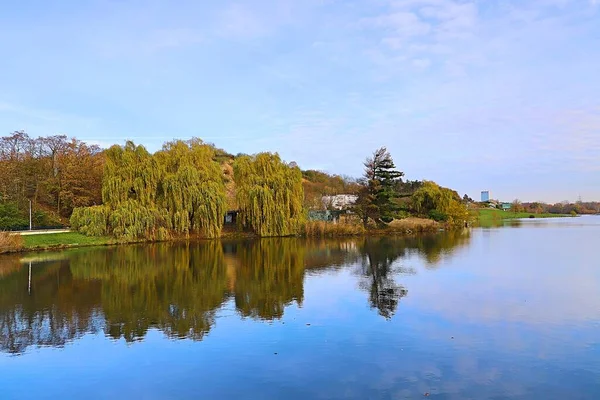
{"points": [[59, 309], [434, 248], [378, 257], [174, 288], [178, 289], [270, 276]]}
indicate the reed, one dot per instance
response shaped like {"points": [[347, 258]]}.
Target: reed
{"points": [[328, 229], [10, 243]]}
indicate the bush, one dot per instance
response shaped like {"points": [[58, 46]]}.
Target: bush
{"points": [[43, 219], [438, 216], [11, 217], [10, 243]]}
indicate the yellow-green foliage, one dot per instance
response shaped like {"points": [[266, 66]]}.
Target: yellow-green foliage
{"points": [[130, 221], [179, 189], [270, 195], [91, 221], [130, 172], [443, 202], [193, 190]]}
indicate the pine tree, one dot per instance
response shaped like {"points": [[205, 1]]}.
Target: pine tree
{"points": [[379, 189]]}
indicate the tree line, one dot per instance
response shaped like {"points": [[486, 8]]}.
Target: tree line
{"points": [[565, 207], [55, 173], [187, 187]]}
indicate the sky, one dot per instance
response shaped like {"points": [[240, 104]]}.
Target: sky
{"points": [[499, 95]]}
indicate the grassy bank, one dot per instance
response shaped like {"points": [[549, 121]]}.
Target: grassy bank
{"points": [[489, 216], [63, 240]]}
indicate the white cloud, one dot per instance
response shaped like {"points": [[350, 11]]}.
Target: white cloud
{"points": [[428, 28]]}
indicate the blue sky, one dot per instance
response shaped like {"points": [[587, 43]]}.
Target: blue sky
{"points": [[497, 94]]}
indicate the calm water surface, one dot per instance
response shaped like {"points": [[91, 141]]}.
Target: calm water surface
{"points": [[504, 313]]}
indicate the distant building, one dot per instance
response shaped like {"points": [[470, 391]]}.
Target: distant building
{"points": [[485, 196], [339, 201]]}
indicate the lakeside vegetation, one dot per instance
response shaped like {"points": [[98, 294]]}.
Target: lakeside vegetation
{"points": [[186, 188], [9, 243], [128, 194]]}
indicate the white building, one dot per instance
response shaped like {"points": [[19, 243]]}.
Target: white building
{"points": [[339, 201]]}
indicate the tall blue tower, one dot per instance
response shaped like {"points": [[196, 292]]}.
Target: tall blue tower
{"points": [[485, 196]]}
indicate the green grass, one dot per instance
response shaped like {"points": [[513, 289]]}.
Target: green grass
{"points": [[490, 216], [68, 239]]}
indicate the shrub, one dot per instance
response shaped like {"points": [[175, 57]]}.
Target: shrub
{"points": [[10, 243], [11, 217], [328, 229], [412, 225], [438, 216]]}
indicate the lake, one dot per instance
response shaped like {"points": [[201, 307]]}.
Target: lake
{"points": [[499, 313]]}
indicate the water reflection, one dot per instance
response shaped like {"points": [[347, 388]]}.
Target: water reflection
{"points": [[378, 257], [125, 291]]}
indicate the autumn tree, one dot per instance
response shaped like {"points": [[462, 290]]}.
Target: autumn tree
{"points": [[54, 173], [516, 206]]}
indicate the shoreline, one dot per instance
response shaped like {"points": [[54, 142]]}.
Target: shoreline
{"points": [[408, 228], [107, 241]]}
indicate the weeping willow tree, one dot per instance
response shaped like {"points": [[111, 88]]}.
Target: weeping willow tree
{"points": [[269, 194], [91, 221], [440, 203], [179, 189], [130, 173], [192, 187]]}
